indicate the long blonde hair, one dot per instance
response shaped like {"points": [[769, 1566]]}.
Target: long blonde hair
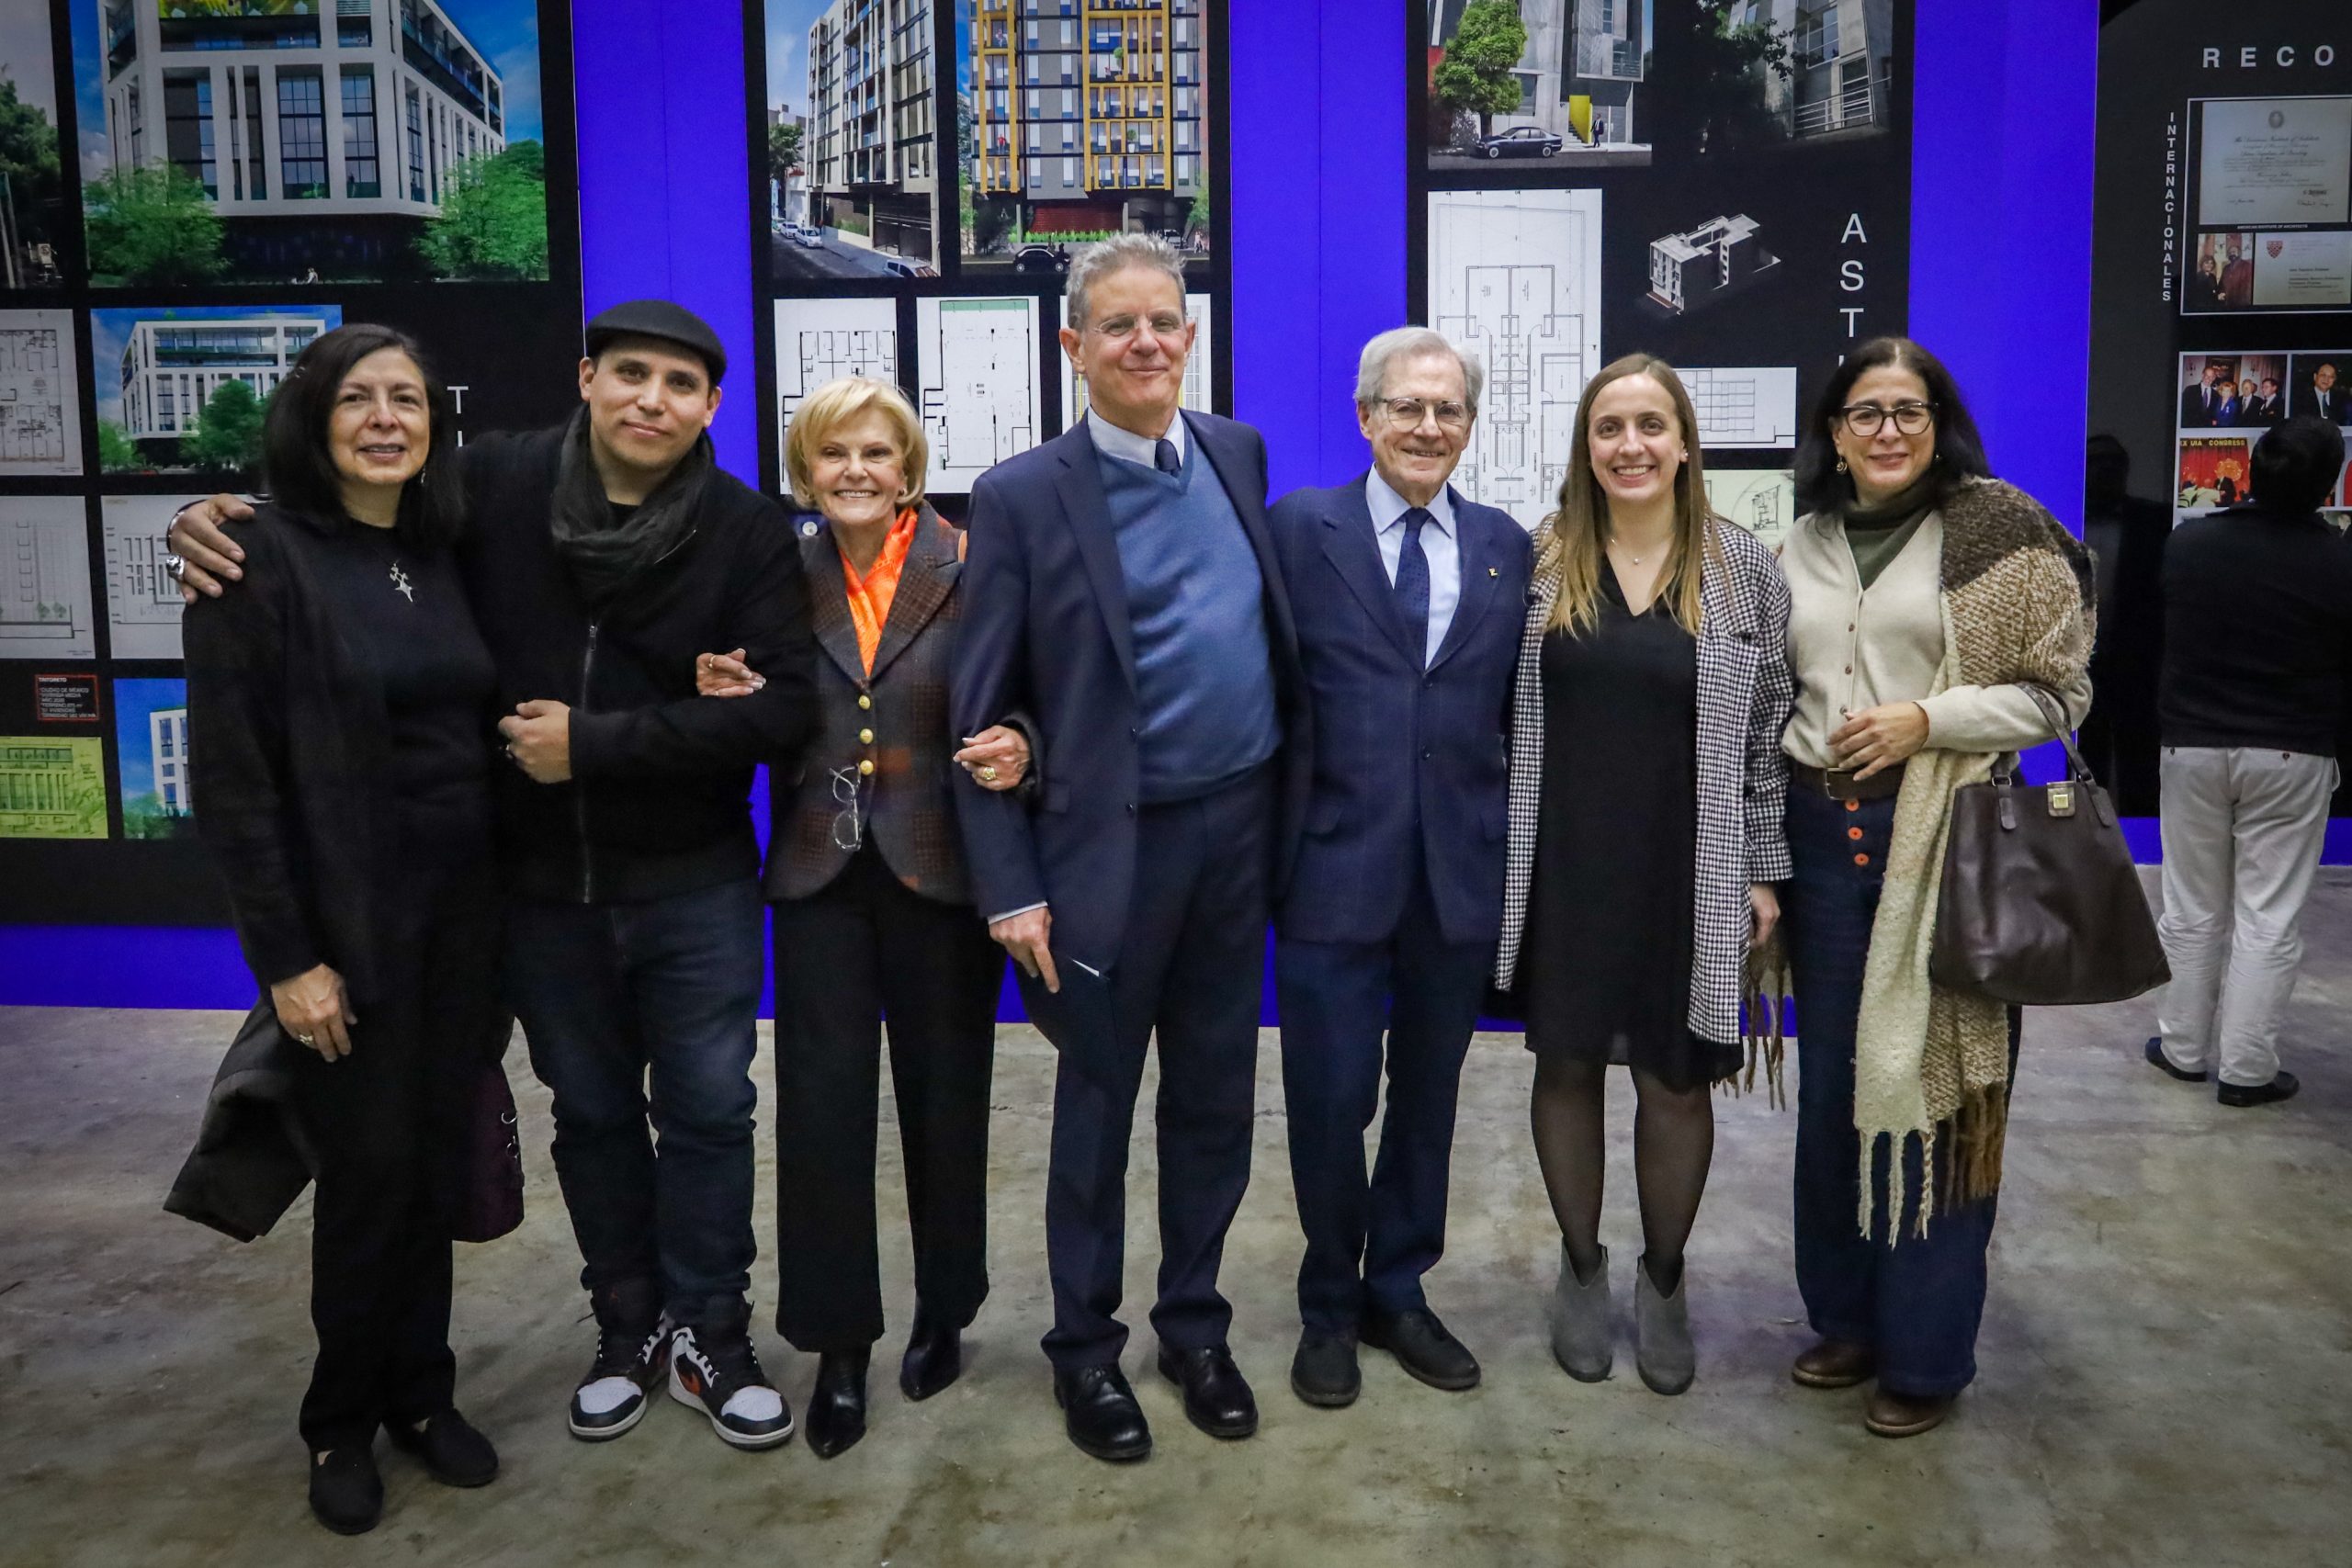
{"points": [[1574, 537]]}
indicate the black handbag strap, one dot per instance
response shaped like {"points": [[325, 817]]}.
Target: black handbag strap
{"points": [[2055, 717]]}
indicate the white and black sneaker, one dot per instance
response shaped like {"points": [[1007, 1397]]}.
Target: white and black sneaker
{"points": [[613, 1397], [717, 1372]]}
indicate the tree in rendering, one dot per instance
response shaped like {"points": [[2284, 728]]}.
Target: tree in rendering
{"points": [[28, 163], [227, 437], [1726, 75], [118, 453], [493, 222], [1475, 76], [150, 225]]}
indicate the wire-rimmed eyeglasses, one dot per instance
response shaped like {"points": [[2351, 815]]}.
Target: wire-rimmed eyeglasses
{"points": [[1407, 413], [1910, 418], [849, 823]]}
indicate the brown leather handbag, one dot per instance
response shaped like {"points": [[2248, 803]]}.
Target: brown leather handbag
{"points": [[2041, 905]]}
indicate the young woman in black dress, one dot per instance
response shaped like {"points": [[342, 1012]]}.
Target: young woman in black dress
{"points": [[1646, 784]]}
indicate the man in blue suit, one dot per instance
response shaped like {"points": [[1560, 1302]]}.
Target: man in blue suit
{"points": [[1409, 601], [1122, 587]]}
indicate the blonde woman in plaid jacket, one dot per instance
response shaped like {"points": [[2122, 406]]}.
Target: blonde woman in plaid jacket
{"points": [[1646, 783]]}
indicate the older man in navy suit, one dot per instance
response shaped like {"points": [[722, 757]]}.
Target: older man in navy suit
{"points": [[1409, 599], [1122, 588]]}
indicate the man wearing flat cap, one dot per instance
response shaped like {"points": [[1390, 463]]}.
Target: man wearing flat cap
{"points": [[603, 557]]}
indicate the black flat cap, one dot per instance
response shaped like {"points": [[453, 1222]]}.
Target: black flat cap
{"points": [[661, 319]]}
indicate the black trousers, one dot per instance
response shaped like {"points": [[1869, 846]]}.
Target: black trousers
{"points": [[861, 949], [389, 1123], [1191, 968]]}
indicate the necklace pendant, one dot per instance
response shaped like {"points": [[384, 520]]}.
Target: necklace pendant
{"points": [[401, 584]]}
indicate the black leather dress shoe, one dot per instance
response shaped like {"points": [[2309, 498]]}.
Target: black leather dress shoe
{"points": [[2158, 1060], [454, 1453], [1216, 1396], [1099, 1411], [836, 1416], [935, 1357], [2281, 1087], [1423, 1347], [347, 1494], [1324, 1371]]}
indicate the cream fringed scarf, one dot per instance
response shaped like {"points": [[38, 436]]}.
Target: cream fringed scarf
{"points": [[1928, 1062]]}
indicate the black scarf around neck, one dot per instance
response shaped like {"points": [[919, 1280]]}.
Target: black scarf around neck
{"points": [[601, 553]]}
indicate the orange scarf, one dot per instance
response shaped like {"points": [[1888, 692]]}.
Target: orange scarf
{"points": [[870, 594]]}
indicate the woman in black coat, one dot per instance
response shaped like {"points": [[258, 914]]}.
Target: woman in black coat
{"points": [[874, 915], [340, 714]]}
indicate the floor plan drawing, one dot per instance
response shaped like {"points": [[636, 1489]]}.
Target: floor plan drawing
{"points": [[1762, 501], [142, 601], [40, 421], [1200, 377], [1515, 278], [978, 363], [1753, 406], [45, 578], [817, 340]]}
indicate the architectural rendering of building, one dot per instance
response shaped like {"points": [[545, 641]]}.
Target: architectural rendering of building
{"points": [[325, 131], [1842, 62], [1090, 118], [169, 368], [167, 747], [869, 143], [1580, 72], [1703, 264]]}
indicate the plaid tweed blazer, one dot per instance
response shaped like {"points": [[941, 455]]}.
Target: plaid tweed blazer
{"points": [[904, 805], [1745, 695]]}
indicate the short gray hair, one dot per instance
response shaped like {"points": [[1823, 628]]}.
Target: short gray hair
{"points": [[1098, 262], [1413, 343]]}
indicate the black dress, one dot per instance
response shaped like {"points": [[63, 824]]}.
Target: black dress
{"points": [[1607, 963]]}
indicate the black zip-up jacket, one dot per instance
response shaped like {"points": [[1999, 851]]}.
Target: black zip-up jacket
{"points": [[659, 802]]}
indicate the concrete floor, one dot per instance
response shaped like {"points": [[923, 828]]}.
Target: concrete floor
{"points": [[2167, 1358]]}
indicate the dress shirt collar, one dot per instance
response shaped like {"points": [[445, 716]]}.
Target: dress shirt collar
{"points": [[1129, 447], [1388, 508]]}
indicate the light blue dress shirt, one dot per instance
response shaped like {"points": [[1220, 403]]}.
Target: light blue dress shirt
{"points": [[1438, 544], [1129, 447]]}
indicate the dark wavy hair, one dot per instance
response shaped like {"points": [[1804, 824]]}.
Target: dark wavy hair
{"points": [[299, 469], [1960, 451]]}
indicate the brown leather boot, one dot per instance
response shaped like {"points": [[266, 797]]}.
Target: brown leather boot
{"points": [[1901, 1415], [1834, 1363]]}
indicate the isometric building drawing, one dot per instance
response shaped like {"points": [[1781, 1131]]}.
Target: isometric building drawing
{"points": [[1514, 278], [818, 340], [1701, 265], [40, 421], [1200, 383], [1754, 406], [977, 359], [1762, 501], [44, 579], [142, 601]]}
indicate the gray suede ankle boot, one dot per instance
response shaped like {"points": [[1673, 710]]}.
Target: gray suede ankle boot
{"points": [[1662, 1351], [1580, 1320]]}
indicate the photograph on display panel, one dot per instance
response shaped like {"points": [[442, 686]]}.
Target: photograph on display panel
{"points": [[31, 176], [2272, 200], [286, 141], [2232, 392], [185, 386], [1562, 83], [854, 171], [40, 405], [1073, 128], [2320, 383], [2215, 471], [151, 748]]}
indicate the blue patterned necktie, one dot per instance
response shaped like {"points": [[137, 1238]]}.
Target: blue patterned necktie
{"points": [[1413, 584]]}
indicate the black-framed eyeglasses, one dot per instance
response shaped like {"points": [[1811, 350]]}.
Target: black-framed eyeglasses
{"points": [[1865, 419], [1407, 413], [849, 823]]}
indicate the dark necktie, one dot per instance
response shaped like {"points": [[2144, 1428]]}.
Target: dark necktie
{"points": [[1164, 458], [1413, 585]]}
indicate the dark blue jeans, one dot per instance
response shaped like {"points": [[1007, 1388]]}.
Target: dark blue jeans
{"points": [[1918, 1302], [609, 995]]}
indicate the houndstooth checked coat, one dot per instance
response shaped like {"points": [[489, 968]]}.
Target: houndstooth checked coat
{"points": [[1745, 695]]}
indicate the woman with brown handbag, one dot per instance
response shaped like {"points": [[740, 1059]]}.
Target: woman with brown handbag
{"points": [[1924, 590]]}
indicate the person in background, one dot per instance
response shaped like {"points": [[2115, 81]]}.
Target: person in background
{"points": [[610, 551], [2257, 613], [2199, 402], [1646, 783], [1925, 592], [2260, 408], [345, 703], [873, 915], [2225, 411], [1408, 598]]}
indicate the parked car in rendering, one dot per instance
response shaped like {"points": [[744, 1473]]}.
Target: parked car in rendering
{"points": [[808, 236], [1521, 141], [1041, 259]]}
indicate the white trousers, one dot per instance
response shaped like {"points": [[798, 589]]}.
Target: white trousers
{"points": [[2242, 833]]}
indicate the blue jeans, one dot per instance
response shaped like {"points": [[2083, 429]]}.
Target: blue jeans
{"points": [[1918, 1302], [610, 993]]}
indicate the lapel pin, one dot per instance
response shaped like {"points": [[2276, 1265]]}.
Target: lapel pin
{"points": [[1492, 572]]}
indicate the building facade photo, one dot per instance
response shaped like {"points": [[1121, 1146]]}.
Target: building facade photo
{"points": [[1579, 83], [171, 368], [869, 142]]}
